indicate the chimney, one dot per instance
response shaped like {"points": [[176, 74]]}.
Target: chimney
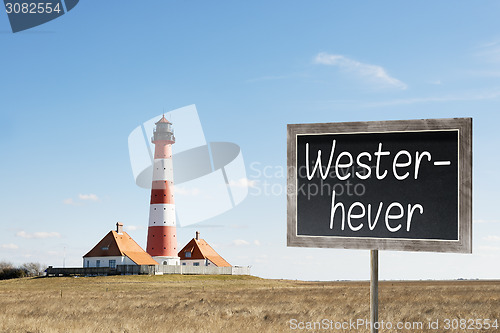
{"points": [[119, 227], [197, 235]]}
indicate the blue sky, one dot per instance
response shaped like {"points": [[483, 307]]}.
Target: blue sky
{"points": [[73, 89]]}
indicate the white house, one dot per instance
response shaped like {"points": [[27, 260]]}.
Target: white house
{"points": [[198, 253], [117, 248]]}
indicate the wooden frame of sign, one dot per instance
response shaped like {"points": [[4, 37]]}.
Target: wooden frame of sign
{"points": [[410, 183]]}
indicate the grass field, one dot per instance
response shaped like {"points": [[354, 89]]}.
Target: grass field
{"points": [[177, 303]]}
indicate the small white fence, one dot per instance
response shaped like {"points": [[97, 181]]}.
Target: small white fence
{"points": [[202, 270], [148, 270]]}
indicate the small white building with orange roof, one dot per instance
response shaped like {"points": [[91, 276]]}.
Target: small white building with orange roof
{"points": [[198, 253], [117, 248]]}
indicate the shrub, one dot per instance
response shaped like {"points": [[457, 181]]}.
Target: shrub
{"points": [[12, 273], [8, 271], [33, 268]]}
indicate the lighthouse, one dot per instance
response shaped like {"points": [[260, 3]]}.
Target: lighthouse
{"points": [[162, 239]]}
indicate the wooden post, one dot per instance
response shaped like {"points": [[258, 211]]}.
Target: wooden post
{"points": [[373, 290]]}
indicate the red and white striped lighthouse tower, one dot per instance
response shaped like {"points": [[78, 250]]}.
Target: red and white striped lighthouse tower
{"points": [[162, 240]]}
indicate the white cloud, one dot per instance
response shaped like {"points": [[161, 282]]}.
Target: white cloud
{"points": [[239, 242], [370, 72], [257, 242], [186, 191], [39, 234], [89, 197], [467, 96], [489, 44], [10, 246], [492, 238], [489, 52], [133, 227], [82, 197], [70, 201], [242, 182]]}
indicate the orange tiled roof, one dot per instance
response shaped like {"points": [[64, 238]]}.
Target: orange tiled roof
{"points": [[163, 120], [201, 250], [141, 258], [115, 244]]}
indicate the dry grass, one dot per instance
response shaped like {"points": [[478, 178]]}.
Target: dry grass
{"points": [[228, 303]]}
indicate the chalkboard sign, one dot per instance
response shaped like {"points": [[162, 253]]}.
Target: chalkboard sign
{"points": [[393, 185]]}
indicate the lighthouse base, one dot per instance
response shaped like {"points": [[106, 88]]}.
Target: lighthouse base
{"points": [[167, 260]]}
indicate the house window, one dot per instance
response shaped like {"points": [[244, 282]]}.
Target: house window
{"points": [[88, 263], [112, 264], [188, 254], [97, 263], [196, 264], [105, 248], [183, 264], [165, 263]]}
